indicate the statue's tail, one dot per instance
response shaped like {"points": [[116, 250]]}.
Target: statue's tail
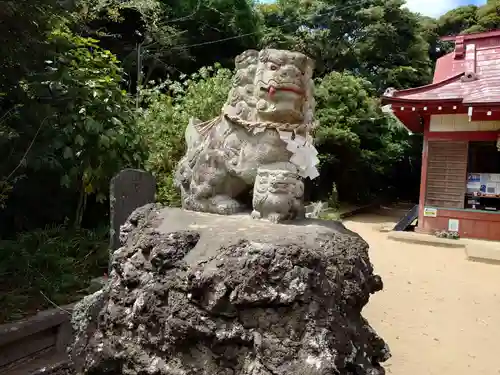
{"points": [[192, 135], [197, 131], [195, 134]]}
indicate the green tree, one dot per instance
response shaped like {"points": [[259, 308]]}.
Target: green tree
{"points": [[357, 144], [458, 20], [93, 126], [24, 27], [78, 127], [137, 31], [209, 21], [488, 17], [470, 19], [379, 40], [166, 116], [156, 38], [43, 79], [48, 266], [431, 34]]}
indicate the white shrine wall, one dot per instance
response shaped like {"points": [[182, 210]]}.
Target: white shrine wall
{"points": [[460, 123]]}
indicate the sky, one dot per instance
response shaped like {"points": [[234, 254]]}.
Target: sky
{"points": [[433, 8]]}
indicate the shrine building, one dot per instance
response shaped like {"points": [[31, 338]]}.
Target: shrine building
{"points": [[459, 116]]}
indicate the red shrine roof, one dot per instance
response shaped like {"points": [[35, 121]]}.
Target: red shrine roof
{"points": [[470, 75]]}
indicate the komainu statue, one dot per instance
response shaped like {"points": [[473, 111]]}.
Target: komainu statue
{"points": [[278, 194], [267, 119]]}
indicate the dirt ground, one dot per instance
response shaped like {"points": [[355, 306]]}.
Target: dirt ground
{"points": [[439, 313]]}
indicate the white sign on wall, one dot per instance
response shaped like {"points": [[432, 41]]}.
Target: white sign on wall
{"points": [[430, 212], [453, 225]]}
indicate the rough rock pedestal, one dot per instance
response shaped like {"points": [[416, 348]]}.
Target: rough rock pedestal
{"points": [[200, 294]]}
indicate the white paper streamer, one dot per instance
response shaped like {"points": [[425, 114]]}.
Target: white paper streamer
{"points": [[304, 154]]}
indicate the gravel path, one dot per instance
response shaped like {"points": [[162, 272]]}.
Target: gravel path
{"points": [[439, 313]]}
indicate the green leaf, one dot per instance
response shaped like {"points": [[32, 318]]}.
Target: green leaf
{"points": [[65, 181], [104, 140], [79, 140], [68, 153], [92, 125], [116, 121]]}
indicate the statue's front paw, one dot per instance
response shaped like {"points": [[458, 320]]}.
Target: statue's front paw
{"points": [[275, 218], [224, 205], [255, 215]]}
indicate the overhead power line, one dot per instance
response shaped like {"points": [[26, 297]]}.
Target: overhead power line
{"points": [[185, 18], [330, 12]]}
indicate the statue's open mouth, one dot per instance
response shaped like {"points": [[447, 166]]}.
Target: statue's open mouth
{"points": [[273, 89]]}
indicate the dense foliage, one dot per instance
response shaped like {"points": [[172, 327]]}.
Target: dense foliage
{"points": [[48, 268], [164, 118], [357, 144], [88, 87]]}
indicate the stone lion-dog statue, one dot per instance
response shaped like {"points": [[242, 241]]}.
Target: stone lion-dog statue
{"points": [[266, 120]]}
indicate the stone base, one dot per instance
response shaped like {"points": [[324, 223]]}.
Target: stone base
{"points": [[193, 293]]}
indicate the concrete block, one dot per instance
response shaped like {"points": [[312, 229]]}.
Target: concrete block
{"points": [[483, 251], [425, 239]]}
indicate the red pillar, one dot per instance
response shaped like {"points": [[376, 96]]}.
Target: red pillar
{"points": [[423, 175]]}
